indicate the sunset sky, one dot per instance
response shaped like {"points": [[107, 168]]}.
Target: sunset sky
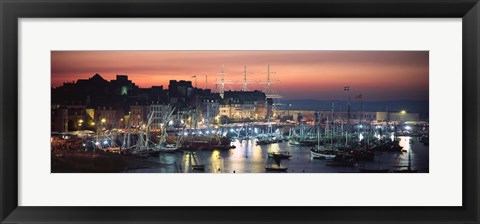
{"points": [[320, 75]]}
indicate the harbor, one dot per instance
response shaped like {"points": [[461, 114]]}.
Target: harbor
{"points": [[248, 149], [250, 158], [229, 123]]}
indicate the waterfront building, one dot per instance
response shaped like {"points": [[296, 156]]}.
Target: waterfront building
{"points": [[158, 112], [244, 105], [210, 107], [138, 114], [401, 116], [64, 119], [108, 117], [342, 116]]}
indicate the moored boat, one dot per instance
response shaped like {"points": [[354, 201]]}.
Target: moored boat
{"points": [[279, 155], [322, 153]]}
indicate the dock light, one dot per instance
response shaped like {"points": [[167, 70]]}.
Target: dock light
{"points": [[208, 132], [80, 121], [93, 123], [408, 128], [170, 123], [231, 130], [360, 126], [186, 133], [105, 142], [97, 143], [103, 120], [403, 112]]}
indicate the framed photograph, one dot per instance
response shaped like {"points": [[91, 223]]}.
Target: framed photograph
{"points": [[250, 112]]}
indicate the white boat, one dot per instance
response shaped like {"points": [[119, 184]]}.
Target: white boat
{"points": [[168, 148], [322, 153], [293, 142]]}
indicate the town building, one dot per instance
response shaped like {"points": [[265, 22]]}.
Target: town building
{"points": [[342, 116], [245, 105]]}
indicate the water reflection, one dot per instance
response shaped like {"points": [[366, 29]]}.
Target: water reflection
{"points": [[248, 157]]}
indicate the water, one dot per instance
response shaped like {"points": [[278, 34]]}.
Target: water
{"points": [[248, 157]]}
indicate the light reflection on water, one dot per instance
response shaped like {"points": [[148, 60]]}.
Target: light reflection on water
{"points": [[248, 157]]}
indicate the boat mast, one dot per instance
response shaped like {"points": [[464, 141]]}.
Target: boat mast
{"points": [[147, 130], [222, 86], [244, 78], [409, 160], [347, 90], [333, 124], [128, 132], [318, 136]]}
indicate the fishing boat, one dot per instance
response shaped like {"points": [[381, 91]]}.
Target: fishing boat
{"points": [[277, 158], [263, 142], [279, 155], [168, 148], [322, 153], [293, 141]]}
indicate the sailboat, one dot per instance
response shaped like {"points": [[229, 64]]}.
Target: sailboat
{"points": [[275, 167], [163, 145], [279, 155], [321, 152]]}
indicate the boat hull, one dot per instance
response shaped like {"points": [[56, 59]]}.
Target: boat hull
{"points": [[322, 154]]}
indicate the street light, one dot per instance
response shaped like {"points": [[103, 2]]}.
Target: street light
{"points": [[102, 121], [80, 122]]}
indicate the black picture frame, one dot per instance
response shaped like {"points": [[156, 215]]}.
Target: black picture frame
{"points": [[11, 11]]}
